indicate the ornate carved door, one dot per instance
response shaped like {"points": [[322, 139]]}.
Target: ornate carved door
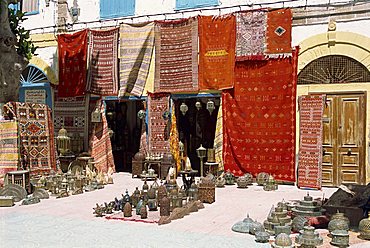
{"points": [[344, 139]]}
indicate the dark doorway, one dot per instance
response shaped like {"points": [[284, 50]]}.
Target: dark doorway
{"points": [[197, 126], [122, 120]]}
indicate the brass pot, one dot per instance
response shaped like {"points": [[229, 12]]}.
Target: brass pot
{"points": [[364, 228]]}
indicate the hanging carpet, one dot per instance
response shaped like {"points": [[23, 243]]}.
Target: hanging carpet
{"points": [[72, 53], [102, 77], [259, 119], [101, 146], [159, 128], [218, 141], [263, 34], [311, 109], [36, 131], [136, 50], [70, 113], [9, 152], [176, 46], [174, 139], [216, 52]]}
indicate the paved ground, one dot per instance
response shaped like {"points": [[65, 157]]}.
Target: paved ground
{"points": [[69, 222]]}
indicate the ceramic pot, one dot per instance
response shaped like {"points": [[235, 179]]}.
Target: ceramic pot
{"points": [[364, 228]]}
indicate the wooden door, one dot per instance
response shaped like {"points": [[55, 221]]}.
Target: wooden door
{"points": [[344, 139]]}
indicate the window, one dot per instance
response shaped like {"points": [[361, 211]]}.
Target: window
{"points": [[30, 7], [192, 4], [116, 8]]}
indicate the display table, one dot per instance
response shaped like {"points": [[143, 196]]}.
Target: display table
{"points": [[211, 167], [188, 177]]}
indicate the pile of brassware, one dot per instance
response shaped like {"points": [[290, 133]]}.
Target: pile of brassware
{"points": [[57, 184], [172, 201], [285, 219]]}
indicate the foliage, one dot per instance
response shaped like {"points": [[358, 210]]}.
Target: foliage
{"points": [[24, 46]]}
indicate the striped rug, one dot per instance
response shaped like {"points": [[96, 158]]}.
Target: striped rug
{"points": [[9, 151]]}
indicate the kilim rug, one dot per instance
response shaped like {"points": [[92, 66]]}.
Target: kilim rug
{"points": [[176, 45], [217, 37], [218, 141], [310, 141], [102, 77], [279, 33], [100, 145], [9, 152], [36, 135], [136, 49], [251, 35], [174, 138], [70, 113], [158, 127], [259, 119], [72, 51]]}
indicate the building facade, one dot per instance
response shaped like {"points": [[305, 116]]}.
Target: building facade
{"points": [[334, 59]]}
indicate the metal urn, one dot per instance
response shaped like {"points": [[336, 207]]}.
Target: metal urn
{"points": [[152, 201], [308, 238], [338, 222], [162, 192], [193, 192], [135, 197], [139, 205], [242, 182], [270, 184], [165, 207], [282, 241], [340, 238], [126, 198], [364, 228], [127, 210], [143, 212], [262, 178], [229, 178]]}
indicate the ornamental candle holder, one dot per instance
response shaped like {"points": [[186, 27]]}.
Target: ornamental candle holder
{"points": [[63, 142], [201, 153]]}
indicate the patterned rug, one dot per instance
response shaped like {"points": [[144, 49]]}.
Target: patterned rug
{"points": [[9, 151], [251, 35], [176, 45], [279, 33], [259, 119], [136, 50], [70, 113], [72, 51], [217, 37], [311, 109], [100, 145], [218, 141], [102, 77], [158, 127], [36, 134]]}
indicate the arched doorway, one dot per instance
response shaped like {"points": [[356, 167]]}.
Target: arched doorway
{"points": [[339, 70]]}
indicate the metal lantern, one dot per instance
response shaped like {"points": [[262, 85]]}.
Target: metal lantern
{"points": [[210, 106], [63, 142], [183, 108], [198, 105], [193, 192], [96, 115], [201, 153], [141, 114], [166, 115]]}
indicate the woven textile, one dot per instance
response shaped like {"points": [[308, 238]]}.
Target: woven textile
{"points": [[72, 51], [102, 74], [136, 49], [218, 141], [158, 127], [176, 44], [36, 131], [100, 145], [310, 141], [279, 33], [9, 152], [174, 138], [217, 37], [70, 114], [251, 35], [259, 119]]}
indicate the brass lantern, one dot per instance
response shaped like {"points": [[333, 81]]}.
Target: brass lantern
{"points": [[183, 108], [141, 114], [210, 106], [198, 105], [96, 115], [63, 142], [201, 153]]}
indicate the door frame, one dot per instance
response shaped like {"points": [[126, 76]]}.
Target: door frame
{"points": [[363, 159]]}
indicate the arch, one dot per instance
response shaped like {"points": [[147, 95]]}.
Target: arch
{"points": [[43, 66], [348, 44]]}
